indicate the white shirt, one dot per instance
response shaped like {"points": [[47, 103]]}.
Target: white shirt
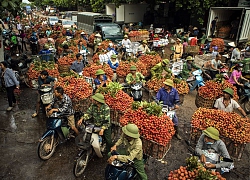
{"points": [[235, 55], [126, 42], [220, 105]]}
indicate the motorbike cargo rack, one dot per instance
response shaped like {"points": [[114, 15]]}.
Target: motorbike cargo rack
{"points": [[202, 102], [235, 150]]}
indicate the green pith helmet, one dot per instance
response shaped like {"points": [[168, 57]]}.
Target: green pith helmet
{"points": [[169, 82], [99, 72], [229, 91], [166, 61], [99, 97], [114, 56], [131, 130], [133, 68], [212, 133], [189, 58]]}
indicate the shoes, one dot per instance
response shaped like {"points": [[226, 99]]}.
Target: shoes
{"points": [[34, 115], [9, 108]]}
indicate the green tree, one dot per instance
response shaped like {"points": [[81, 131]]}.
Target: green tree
{"points": [[11, 6]]}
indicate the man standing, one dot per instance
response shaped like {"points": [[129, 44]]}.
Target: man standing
{"points": [[99, 112], [213, 26], [178, 49], [63, 105], [170, 97]]}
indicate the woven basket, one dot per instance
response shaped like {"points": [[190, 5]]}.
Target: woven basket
{"points": [[63, 68], [202, 102], [234, 150], [120, 79], [153, 149], [81, 105]]}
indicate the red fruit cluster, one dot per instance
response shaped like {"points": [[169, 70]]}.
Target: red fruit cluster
{"points": [[214, 90], [230, 125], [159, 129], [121, 101]]}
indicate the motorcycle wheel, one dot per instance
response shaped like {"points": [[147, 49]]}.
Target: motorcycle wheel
{"points": [[247, 107], [81, 164], [43, 148]]}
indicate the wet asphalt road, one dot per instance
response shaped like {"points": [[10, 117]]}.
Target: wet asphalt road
{"points": [[19, 134]]}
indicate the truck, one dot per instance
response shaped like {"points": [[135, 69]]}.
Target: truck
{"points": [[127, 13], [97, 22], [225, 16]]}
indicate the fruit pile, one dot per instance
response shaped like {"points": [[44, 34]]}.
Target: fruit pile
{"points": [[230, 125], [91, 69], [37, 66], [115, 98], [150, 60], [217, 42], [214, 90], [75, 88], [104, 44], [194, 171], [95, 58], [153, 124], [180, 85], [67, 60], [124, 68]]}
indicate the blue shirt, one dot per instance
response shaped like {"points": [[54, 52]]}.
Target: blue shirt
{"points": [[98, 82], [48, 80], [77, 66], [113, 66], [170, 98], [45, 54]]}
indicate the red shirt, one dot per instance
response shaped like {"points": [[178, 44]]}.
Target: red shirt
{"points": [[193, 42]]}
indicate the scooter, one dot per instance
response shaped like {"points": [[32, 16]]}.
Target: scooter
{"points": [[196, 80], [118, 170], [47, 95], [90, 144], [169, 112], [245, 98], [136, 91], [57, 132]]}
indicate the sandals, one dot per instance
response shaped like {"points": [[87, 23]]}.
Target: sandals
{"points": [[34, 115]]}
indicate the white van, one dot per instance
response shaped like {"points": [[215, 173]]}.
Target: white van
{"points": [[52, 20]]}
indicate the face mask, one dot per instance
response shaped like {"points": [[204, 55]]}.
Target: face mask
{"points": [[209, 143]]}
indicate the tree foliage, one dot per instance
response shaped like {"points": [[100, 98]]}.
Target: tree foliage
{"points": [[11, 6]]}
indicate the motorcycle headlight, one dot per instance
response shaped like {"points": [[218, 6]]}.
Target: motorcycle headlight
{"points": [[117, 163]]}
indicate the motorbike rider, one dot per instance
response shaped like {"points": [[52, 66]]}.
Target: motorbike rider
{"points": [[43, 80], [227, 103], [113, 63], [84, 36], [78, 65], [209, 148], [170, 97], [82, 47], [236, 77], [144, 47], [160, 69], [63, 104], [125, 42], [131, 139], [188, 67], [97, 41], [101, 79], [100, 113], [134, 77]]}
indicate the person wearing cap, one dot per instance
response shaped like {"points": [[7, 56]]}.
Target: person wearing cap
{"points": [[169, 96], [144, 47], [99, 112], [130, 137], [188, 67], [178, 49], [236, 55], [101, 79], [227, 103], [236, 78], [84, 36], [63, 104], [161, 69], [97, 41], [125, 43], [113, 63], [134, 76], [210, 148], [45, 53]]}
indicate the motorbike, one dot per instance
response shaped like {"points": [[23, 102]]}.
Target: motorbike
{"points": [[224, 72], [47, 96], [169, 112], [245, 97], [118, 170], [57, 132], [196, 80], [89, 143], [136, 91]]}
